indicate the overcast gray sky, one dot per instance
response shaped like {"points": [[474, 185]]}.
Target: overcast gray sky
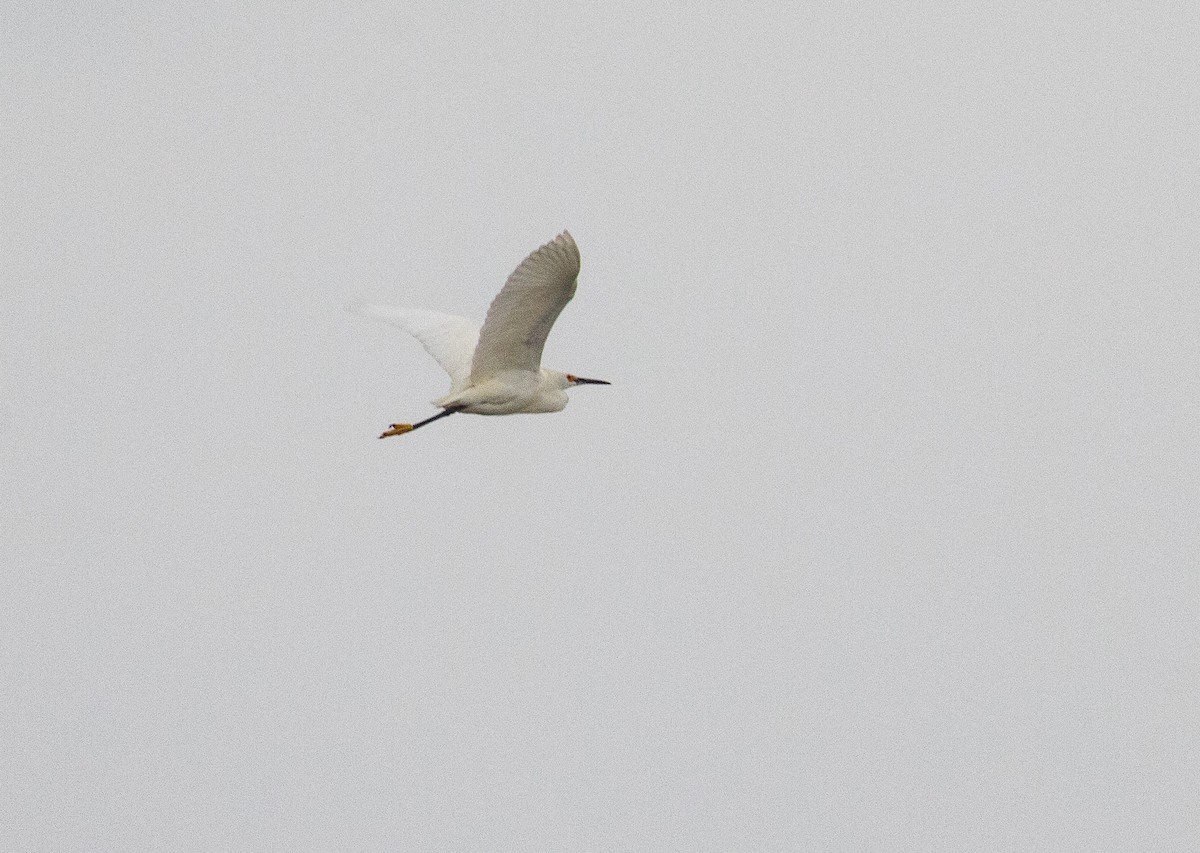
{"points": [[883, 537]]}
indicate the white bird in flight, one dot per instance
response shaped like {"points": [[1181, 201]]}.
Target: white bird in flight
{"points": [[497, 370]]}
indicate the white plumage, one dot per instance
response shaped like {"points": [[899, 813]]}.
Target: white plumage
{"points": [[497, 370]]}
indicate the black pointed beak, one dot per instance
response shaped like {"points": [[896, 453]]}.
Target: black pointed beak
{"points": [[579, 380]]}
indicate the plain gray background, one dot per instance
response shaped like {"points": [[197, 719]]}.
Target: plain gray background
{"points": [[882, 539]]}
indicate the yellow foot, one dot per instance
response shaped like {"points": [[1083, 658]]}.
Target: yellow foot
{"points": [[397, 429]]}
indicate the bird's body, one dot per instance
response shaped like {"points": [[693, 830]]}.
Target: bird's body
{"points": [[512, 392], [496, 369]]}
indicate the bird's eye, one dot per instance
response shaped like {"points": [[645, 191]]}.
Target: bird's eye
{"points": [[570, 378]]}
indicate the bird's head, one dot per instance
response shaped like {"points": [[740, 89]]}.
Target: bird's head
{"points": [[572, 379]]}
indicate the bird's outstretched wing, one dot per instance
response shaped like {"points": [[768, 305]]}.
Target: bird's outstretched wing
{"points": [[450, 340], [524, 310]]}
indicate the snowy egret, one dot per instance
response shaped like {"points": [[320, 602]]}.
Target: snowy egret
{"points": [[497, 370]]}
